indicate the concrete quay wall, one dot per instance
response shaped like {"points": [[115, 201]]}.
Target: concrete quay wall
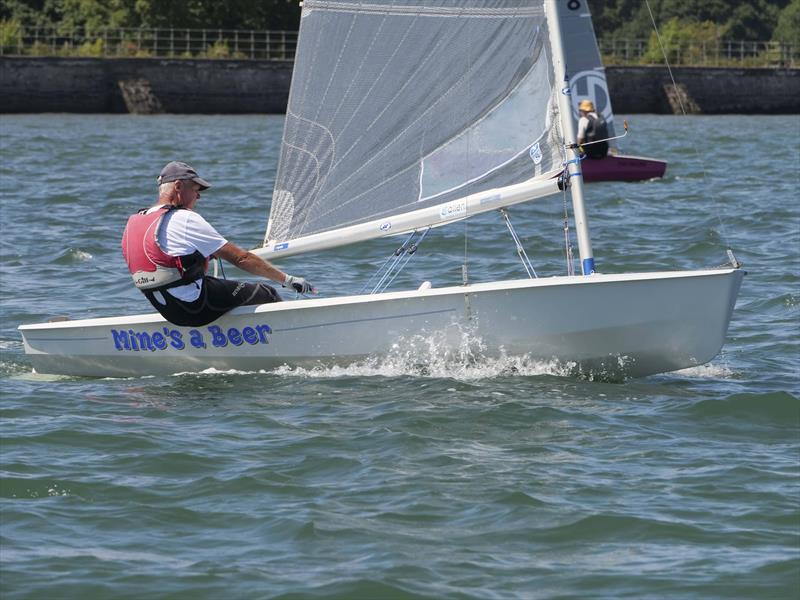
{"points": [[705, 90], [152, 85], [143, 85]]}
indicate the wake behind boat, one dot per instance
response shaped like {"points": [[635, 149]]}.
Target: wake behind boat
{"points": [[394, 127]]}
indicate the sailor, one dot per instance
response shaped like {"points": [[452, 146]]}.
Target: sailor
{"points": [[168, 246], [592, 127]]}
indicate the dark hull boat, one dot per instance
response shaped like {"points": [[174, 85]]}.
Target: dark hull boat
{"points": [[618, 167], [587, 80]]}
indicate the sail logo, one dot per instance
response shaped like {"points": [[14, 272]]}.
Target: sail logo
{"points": [[536, 153], [385, 226], [454, 209], [591, 85], [131, 340]]}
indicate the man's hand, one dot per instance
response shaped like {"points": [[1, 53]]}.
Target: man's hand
{"points": [[300, 285]]}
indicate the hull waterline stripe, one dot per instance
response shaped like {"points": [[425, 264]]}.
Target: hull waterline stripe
{"points": [[285, 329], [431, 312], [38, 339]]}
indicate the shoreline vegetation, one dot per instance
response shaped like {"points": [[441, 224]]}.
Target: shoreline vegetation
{"points": [[220, 44], [736, 33]]}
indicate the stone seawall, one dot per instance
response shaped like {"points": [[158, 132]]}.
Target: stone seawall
{"points": [[151, 85], [143, 85], [704, 90]]}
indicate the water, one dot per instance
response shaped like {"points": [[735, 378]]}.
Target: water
{"points": [[457, 478]]}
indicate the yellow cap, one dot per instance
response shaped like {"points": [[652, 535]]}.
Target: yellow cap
{"points": [[586, 105]]}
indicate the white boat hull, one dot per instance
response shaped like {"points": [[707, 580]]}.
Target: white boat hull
{"points": [[631, 325]]}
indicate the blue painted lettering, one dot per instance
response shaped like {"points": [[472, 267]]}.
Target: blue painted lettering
{"points": [[250, 336], [177, 338], [145, 342], [121, 341], [166, 338], [234, 336], [217, 337], [263, 330], [134, 345], [196, 339], [159, 341]]}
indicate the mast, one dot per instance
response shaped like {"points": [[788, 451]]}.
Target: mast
{"points": [[573, 165]]}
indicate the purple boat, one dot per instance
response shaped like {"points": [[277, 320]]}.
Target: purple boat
{"points": [[618, 167], [588, 82]]}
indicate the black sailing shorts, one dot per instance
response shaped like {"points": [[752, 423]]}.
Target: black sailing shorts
{"points": [[217, 297]]}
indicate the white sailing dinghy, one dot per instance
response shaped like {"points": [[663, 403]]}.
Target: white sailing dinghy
{"points": [[587, 78], [406, 115]]}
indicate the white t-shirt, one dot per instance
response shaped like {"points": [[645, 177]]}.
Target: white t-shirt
{"points": [[583, 123], [183, 232]]}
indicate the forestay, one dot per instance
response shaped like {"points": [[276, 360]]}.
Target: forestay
{"points": [[405, 114]]}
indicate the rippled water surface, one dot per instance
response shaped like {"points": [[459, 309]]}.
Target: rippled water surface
{"points": [[412, 476]]}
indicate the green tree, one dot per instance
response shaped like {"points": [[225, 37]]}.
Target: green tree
{"points": [[745, 19], [206, 14], [10, 32], [787, 30], [31, 13], [683, 42], [753, 22], [95, 15]]}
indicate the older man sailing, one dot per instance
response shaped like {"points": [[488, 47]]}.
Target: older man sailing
{"points": [[167, 248]]}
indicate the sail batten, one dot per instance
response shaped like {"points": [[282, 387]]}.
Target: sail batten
{"points": [[402, 105]]}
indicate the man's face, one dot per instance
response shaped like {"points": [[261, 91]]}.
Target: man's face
{"points": [[188, 193]]}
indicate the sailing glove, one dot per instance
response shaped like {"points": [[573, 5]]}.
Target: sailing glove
{"points": [[298, 284]]}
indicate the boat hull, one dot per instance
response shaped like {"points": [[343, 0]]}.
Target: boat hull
{"points": [[609, 325], [618, 167]]}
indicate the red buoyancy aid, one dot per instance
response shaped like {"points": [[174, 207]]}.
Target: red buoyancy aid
{"points": [[152, 268]]}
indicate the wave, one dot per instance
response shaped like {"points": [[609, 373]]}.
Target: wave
{"points": [[781, 407], [356, 588], [423, 356], [72, 256], [707, 371], [440, 368], [391, 366]]}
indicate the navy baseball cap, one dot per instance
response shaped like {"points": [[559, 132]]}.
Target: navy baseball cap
{"points": [[175, 170]]}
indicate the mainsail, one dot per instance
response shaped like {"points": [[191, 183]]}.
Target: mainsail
{"points": [[405, 114], [587, 76]]}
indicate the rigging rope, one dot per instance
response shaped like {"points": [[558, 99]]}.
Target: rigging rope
{"points": [[412, 249], [395, 263], [523, 256], [564, 186], [392, 257], [567, 241], [713, 196]]}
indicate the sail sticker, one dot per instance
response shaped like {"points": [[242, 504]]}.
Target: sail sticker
{"points": [[282, 246], [566, 91], [536, 153], [591, 85], [386, 226], [451, 210], [133, 341]]}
